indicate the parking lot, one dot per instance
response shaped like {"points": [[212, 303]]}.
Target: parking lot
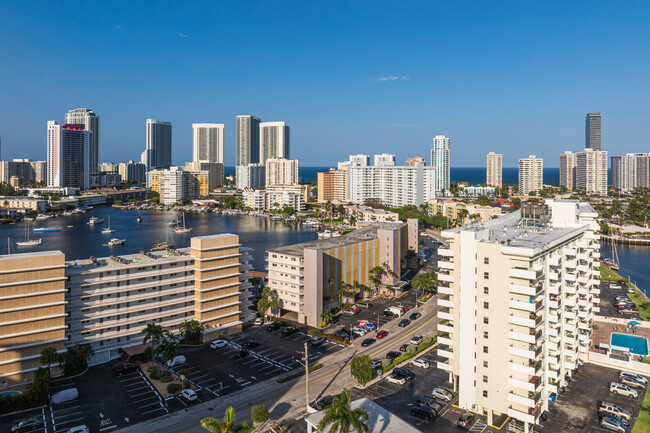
{"points": [[607, 300], [576, 409]]}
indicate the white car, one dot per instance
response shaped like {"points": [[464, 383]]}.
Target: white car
{"points": [[78, 429], [631, 374], [614, 286], [612, 424], [177, 360], [189, 395], [258, 322], [622, 389], [442, 394], [393, 378], [420, 363], [629, 289], [218, 344], [360, 329], [416, 339]]}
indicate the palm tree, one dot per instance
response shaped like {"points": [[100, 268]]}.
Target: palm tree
{"points": [[374, 275], [225, 425], [341, 418], [49, 356], [425, 281], [152, 333], [168, 346], [326, 316], [357, 286], [342, 291], [462, 214], [191, 330]]}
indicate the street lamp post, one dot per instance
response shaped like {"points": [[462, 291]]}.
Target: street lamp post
{"points": [[306, 378]]}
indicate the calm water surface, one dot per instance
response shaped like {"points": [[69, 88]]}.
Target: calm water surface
{"points": [[83, 240], [634, 261]]}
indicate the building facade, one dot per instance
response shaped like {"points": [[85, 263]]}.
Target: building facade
{"points": [[395, 186], [214, 169], [332, 185], [250, 176], [494, 169], [247, 140], [518, 294], [591, 171], [274, 141], [208, 142], [568, 170], [68, 163], [90, 120], [531, 174], [25, 170], [592, 131], [158, 150], [384, 160], [366, 214], [176, 184], [132, 171], [631, 171], [440, 162], [281, 171], [415, 161], [462, 213]]}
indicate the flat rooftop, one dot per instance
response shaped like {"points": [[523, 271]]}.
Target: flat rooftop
{"points": [[117, 262], [370, 210], [359, 235]]}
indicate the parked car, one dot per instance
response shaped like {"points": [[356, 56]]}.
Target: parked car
{"points": [[323, 402], [368, 325], [356, 309], [416, 339], [125, 367], [389, 314], [381, 334], [404, 323], [407, 374], [425, 400], [349, 312], [403, 307], [393, 355], [403, 347], [629, 289], [423, 412], [442, 394], [414, 316], [420, 363], [616, 410], [631, 381], [631, 374], [367, 342], [622, 389], [176, 360], [318, 341], [622, 298], [258, 322], [241, 354], [615, 286], [218, 344], [376, 363], [465, 419], [343, 334], [65, 395], [622, 282], [27, 424], [361, 329], [612, 424], [251, 344], [395, 378], [602, 415], [274, 326], [366, 305], [189, 395], [335, 319], [289, 331], [77, 429]]}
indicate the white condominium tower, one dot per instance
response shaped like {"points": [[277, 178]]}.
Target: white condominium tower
{"points": [[280, 171], [208, 142], [531, 174], [394, 186], [518, 294], [385, 159], [440, 162], [247, 140], [88, 118], [274, 140], [68, 162], [494, 169], [592, 131], [158, 151], [568, 170], [591, 171], [631, 171]]}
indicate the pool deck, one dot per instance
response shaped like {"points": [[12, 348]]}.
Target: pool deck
{"points": [[602, 335]]}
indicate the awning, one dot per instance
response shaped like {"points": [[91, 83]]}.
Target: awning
{"points": [[604, 346], [135, 350]]}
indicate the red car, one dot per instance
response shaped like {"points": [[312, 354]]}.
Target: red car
{"points": [[382, 334], [126, 367], [622, 282]]}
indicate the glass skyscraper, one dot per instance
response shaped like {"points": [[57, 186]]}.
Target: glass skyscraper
{"points": [[592, 131]]}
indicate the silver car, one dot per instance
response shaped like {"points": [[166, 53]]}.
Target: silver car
{"points": [[622, 389]]}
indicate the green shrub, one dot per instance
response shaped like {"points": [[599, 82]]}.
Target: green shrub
{"points": [[166, 378], [154, 374], [385, 364], [184, 372], [151, 369], [427, 339], [187, 384], [259, 413], [411, 349], [173, 388]]}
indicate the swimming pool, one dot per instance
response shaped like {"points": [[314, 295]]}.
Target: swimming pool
{"points": [[8, 393], [637, 345]]}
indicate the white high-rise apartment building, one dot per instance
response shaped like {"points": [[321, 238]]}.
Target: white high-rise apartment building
{"points": [[250, 176], [132, 171], [519, 293], [88, 118], [591, 171], [247, 140], [494, 169], [358, 160], [274, 140], [531, 174], [280, 171], [568, 170], [68, 155], [631, 171], [158, 150], [385, 159], [208, 142], [395, 186], [440, 162]]}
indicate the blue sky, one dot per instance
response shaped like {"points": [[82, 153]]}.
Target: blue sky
{"points": [[348, 77]]}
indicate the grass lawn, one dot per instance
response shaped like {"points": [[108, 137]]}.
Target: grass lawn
{"points": [[642, 423], [607, 274]]}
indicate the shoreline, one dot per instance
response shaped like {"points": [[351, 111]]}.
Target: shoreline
{"points": [[624, 241]]}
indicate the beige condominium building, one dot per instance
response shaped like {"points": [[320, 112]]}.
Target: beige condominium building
{"points": [[518, 294], [307, 276], [332, 185], [531, 174], [107, 302], [493, 169], [32, 311]]}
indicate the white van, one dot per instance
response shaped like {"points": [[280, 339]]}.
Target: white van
{"points": [[65, 395], [178, 360], [397, 311]]}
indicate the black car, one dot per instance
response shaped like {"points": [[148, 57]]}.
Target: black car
{"points": [[414, 316], [389, 314], [393, 355], [250, 344], [425, 400], [323, 402], [335, 319], [403, 323], [274, 327], [367, 342], [404, 347], [28, 424], [343, 334], [241, 354], [423, 412], [405, 373], [289, 331]]}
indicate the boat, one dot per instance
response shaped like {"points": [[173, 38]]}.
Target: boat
{"points": [[108, 230], [183, 229], [325, 234], [43, 217], [139, 218], [70, 226], [615, 265], [29, 218], [115, 242], [277, 218], [94, 220], [27, 242], [172, 223], [47, 229]]}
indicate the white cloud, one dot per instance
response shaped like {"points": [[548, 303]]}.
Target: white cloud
{"points": [[183, 35], [393, 78]]}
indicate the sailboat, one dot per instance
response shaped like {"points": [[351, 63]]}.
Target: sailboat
{"points": [[27, 242], [108, 230], [183, 229], [615, 265]]}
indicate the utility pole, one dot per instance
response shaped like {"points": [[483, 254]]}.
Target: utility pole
{"points": [[306, 378]]}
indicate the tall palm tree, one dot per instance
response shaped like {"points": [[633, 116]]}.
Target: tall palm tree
{"points": [[152, 333], [342, 291], [225, 425], [425, 281], [49, 356], [341, 418]]}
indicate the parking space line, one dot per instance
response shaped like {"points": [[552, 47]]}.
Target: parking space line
{"points": [[129, 379], [150, 404], [154, 410], [145, 399]]}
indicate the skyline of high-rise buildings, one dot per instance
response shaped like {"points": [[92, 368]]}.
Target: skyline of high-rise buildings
{"points": [[440, 163], [68, 158], [208, 142], [88, 118], [568, 170], [591, 171], [531, 174]]}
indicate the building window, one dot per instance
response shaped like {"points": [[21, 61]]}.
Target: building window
{"points": [[486, 305], [486, 291], [486, 320], [485, 334], [485, 364], [485, 379], [485, 349], [486, 260], [486, 275], [485, 393]]}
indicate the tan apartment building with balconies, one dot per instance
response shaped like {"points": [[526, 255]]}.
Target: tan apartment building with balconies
{"points": [[518, 295]]}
